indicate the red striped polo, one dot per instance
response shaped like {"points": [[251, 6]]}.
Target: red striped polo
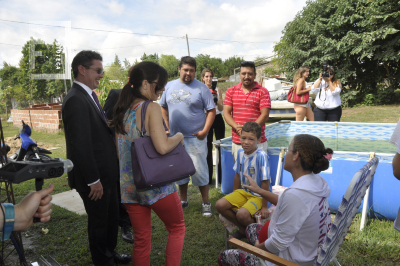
{"points": [[246, 107]]}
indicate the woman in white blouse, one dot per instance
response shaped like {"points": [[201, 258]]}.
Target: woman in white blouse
{"points": [[328, 103]]}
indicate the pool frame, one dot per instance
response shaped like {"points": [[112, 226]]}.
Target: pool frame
{"points": [[383, 200]]}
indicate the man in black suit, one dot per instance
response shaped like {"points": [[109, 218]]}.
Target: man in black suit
{"points": [[124, 221], [91, 147]]}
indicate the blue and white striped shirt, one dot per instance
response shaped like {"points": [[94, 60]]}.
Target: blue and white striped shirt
{"points": [[255, 165]]}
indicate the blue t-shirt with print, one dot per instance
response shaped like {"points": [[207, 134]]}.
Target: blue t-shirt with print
{"points": [[186, 105], [256, 165]]}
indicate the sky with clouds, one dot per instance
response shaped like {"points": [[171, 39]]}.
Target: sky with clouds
{"points": [[220, 28]]}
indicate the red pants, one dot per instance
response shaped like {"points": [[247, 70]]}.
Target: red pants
{"points": [[169, 210]]}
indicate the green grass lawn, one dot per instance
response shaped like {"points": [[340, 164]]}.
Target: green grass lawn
{"points": [[377, 244]]}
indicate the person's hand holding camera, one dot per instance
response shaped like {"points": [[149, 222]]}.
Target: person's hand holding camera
{"points": [[35, 204]]}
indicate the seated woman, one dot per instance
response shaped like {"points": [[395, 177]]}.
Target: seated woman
{"points": [[301, 218]]}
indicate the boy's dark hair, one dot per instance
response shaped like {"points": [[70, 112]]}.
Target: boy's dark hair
{"points": [[189, 61], [252, 127], [84, 58]]}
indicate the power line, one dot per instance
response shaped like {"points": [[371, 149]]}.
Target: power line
{"points": [[76, 28], [11, 44], [132, 33], [139, 44], [227, 40]]}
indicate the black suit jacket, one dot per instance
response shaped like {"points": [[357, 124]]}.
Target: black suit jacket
{"points": [[111, 101], [90, 144]]}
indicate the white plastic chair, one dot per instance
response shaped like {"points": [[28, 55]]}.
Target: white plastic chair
{"points": [[347, 210]]}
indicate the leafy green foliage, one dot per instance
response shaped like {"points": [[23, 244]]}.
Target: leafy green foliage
{"points": [[170, 63], [359, 38], [50, 62], [105, 86], [151, 57], [220, 68]]}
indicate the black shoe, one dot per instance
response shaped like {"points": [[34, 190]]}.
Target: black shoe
{"points": [[126, 234], [122, 258]]}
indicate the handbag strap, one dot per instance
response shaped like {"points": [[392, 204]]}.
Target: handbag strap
{"points": [[143, 115]]}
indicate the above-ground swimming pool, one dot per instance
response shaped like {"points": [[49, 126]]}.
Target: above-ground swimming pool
{"points": [[353, 144]]}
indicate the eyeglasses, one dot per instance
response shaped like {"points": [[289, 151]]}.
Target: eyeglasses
{"points": [[98, 70], [247, 63]]}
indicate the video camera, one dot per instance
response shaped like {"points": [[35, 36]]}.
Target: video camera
{"points": [[214, 93], [20, 171], [325, 73]]}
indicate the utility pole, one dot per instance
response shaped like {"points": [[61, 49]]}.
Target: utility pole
{"points": [[65, 84], [187, 42]]}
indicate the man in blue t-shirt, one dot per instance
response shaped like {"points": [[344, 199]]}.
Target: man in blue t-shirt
{"points": [[188, 107]]}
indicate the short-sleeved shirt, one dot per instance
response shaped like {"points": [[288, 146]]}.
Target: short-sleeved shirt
{"points": [[247, 107], [129, 193], [255, 165], [186, 104]]}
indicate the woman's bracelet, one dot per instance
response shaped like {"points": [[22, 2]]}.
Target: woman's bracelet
{"points": [[9, 218]]}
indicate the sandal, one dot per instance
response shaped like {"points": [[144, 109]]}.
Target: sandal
{"points": [[238, 235]]}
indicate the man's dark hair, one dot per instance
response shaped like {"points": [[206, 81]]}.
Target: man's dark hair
{"points": [[189, 61], [252, 127], [248, 64], [84, 58]]}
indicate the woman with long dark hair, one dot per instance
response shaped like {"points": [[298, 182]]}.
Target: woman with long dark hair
{"points": [[218, 126], [328, 102], [146, 82], [299, 82], [301, 218]]}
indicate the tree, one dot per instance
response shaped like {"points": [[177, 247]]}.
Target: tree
{"points": [[117, 62], [230, 64], [170, 63], [127, 64], [206, 61], [359, 38], [8, 83], [105, 85], [41, 90], [151, 57], [115, 72]]}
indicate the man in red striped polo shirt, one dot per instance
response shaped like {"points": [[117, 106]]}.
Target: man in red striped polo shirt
{"points": [[245, 102]]}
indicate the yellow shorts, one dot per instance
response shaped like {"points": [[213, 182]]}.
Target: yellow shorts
{"points": [[242, 199]]}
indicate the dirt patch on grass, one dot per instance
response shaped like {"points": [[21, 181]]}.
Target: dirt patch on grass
{"points": [[16, 144]]}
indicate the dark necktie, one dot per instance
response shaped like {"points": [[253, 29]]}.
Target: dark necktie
{"points": [[98, 105]]}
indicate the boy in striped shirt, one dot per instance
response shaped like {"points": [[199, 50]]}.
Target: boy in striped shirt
{"points": [[252, 161]]}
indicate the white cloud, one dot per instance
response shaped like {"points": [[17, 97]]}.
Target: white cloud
{"points": [[115, 7], [258, 21]]}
